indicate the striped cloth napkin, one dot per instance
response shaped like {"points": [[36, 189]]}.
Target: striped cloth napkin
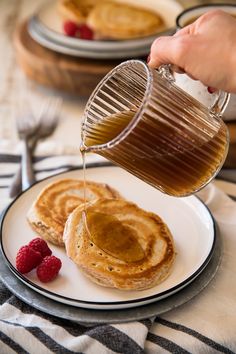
{"points": [[206, 324]]}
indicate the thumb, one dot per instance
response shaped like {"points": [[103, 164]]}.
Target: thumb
{"points": [[163, 51]]}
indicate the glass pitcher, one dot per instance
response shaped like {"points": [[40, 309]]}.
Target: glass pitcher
{"points": [[140, 120]]}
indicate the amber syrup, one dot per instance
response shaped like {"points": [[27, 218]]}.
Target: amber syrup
{"points": [[83, 155]]}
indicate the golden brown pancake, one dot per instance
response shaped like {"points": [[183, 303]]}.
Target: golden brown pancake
{"points": [[110, 19], [120, 245], [76, 10], [49, 212]]}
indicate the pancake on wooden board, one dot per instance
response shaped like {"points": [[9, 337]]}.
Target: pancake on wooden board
{"points": [[115, 20], [76, 10]]}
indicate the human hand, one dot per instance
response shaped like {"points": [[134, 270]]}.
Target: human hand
{"points": [[205, 50]]}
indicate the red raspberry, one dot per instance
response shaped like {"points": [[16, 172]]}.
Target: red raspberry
{"points": [[27, 259], [70, 28], [85, 32], [38, 244], [48, 269]]}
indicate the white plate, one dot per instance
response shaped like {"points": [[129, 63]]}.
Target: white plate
{"points": [[46, 28], [189, 220], [38, 35]]}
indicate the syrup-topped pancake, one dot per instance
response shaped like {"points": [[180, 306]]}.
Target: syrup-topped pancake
{"points": [[49, 212], [115, 20], [119, 245]]}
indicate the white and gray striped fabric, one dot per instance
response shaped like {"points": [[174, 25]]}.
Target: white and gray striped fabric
{"points": [[206, 324]]}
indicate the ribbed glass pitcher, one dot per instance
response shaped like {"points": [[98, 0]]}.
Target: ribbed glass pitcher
{"points": [[140, 120]]}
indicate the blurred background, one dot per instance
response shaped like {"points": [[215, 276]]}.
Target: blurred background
{"points": [[38, 60]]}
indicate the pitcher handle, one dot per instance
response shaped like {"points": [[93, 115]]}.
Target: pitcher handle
{"points": [[220, 103], [166, 71]]}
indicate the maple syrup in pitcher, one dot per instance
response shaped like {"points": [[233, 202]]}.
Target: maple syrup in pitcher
{"points": [[138, 119]]}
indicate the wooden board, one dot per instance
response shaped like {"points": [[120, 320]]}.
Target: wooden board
{"points": [[70, 74]]}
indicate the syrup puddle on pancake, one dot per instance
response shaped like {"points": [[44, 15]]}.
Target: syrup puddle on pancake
{"points": [[113, 237]]}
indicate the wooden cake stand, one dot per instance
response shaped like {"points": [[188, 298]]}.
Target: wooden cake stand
{"points": [[60, 71]]}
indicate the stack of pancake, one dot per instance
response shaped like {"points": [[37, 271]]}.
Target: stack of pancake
{"points": [[112, 20], [113, 241], [50, 211]]}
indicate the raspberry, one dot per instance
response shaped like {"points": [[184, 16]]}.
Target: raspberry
{"points": [[38, 244], [70, 28], [27, 259], [85, 32], [48, 269]]}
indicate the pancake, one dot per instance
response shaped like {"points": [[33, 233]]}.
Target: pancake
{"points": [[113, 20], [76, 10], [119, 245], [49, 212]]}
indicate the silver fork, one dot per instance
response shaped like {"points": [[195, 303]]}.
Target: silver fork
{"points": [[27, 126], [46, 124]]}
